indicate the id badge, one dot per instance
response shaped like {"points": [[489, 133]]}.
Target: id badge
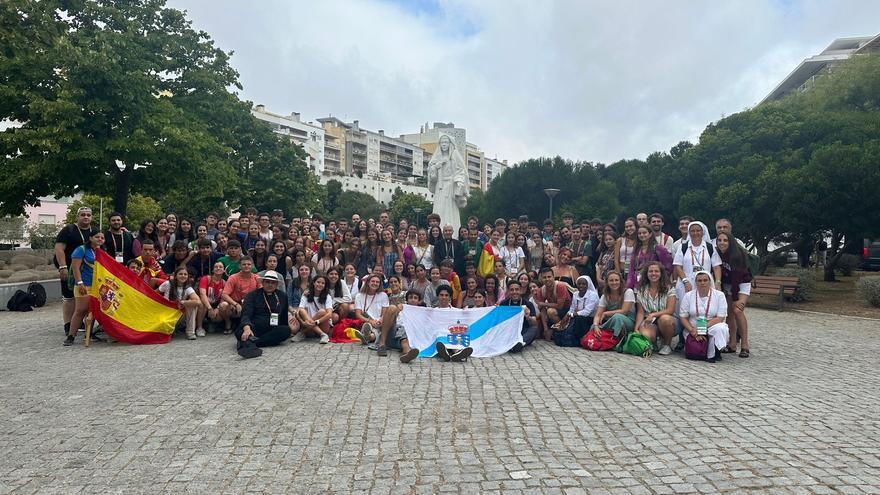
{"points": [[119, 258], [273, 319], [702, 326]]}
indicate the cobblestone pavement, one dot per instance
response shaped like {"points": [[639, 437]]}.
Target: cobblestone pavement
{"points": [[802, 415]]}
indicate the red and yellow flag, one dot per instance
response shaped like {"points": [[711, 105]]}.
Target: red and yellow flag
{"points": [[127, 308]]}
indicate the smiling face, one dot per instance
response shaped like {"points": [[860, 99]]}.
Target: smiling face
{"points": [[479, 299], [374, 284], [644, 234], [304, 272], [696, 233], [703, 282], [629, 227], [722, 242], [218, 269], [613, 281], [654, 273], [333, 277]]}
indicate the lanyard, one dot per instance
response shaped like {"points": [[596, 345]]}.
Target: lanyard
{"points": [[697, 303], [694, 258], [367, 306], [122, 240], [267, 302], [350, 287]]}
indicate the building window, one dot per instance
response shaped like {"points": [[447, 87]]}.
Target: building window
{"points": [[46, 219]]}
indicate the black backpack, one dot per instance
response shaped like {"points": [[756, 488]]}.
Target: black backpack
{"points": [[20, 301], [709, 247], [38, 292]]}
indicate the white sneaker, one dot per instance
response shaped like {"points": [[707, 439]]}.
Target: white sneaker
{"points": [[665, 350], [200, 332], [191, 334], [299, 336], [324, 339]]}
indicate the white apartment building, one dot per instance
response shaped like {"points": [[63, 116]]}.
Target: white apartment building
{"points": [[307, 135], [802, 77]]}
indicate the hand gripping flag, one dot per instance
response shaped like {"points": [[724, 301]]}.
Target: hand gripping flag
{"points": [[127, 308], [489, 331]]}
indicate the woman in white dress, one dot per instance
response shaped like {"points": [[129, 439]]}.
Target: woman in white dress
{"points": [[695, 254], [703, 313], [422, 251]]}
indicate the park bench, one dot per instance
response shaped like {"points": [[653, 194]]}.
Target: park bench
{"points": [[775, 286]]}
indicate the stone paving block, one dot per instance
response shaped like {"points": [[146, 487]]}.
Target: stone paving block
{"points": [[304, 418]]}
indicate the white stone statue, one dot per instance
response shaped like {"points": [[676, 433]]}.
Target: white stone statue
{"points": [[448, 180]]}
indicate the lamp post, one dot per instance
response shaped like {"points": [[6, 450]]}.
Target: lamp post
{"points": [[551, 193], [418, 211]]}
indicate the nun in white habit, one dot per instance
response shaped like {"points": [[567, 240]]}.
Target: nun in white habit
{"points": [[709, 303], [696, 254]]}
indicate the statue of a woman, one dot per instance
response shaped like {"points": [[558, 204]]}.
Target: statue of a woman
{"points": [[448, 180]]}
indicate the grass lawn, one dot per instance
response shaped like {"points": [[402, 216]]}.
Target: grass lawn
{"points": [[838, 297]]}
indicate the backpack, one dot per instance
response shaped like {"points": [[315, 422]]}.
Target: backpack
{"points": [[605, 342], [636, 344], [571, 335], [38, 292], [20, 301], [709, 247]]}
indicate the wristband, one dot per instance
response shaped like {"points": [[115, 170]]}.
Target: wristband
{"points": [[80, 283], [62, 268]]}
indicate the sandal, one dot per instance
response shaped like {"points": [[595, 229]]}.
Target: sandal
{"points": [[744, 353], [728, 350]]}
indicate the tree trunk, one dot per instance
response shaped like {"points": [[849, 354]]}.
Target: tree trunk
{"points": [[831, 263], [123, 185]]}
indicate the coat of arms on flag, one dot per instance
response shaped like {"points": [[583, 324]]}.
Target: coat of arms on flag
{"points": [[489, 331]]}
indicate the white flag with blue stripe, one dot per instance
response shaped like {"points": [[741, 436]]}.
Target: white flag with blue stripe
{"points": [[489, 331]]}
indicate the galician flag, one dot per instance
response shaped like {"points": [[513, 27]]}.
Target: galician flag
{"points": [[127, 308], [489, 331]]}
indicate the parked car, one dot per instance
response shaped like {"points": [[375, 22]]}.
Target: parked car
{"points": [[870, 255]]}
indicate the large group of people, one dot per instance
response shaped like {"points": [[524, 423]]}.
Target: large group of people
{"points": [[266, 278]]}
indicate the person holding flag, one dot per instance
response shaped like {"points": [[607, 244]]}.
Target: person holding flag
{"points": [[82, 269]]}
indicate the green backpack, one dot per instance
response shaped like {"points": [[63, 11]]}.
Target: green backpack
{"points": [[635, 344]]}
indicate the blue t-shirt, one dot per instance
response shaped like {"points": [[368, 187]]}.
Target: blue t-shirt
{"points": [[87, 268]]}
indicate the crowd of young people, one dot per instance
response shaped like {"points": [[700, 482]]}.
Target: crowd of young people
{"points": [[268, 279]]}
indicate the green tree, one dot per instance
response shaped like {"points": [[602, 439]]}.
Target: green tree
{"points": [[403, 206], [351, 202], [334, 189], [115, 97], [140, 208]]}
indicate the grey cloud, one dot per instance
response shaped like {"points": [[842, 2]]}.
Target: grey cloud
{"points": [[594, 81]]}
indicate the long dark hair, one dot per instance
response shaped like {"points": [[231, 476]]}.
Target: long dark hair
{"points": [[735, 256], [337, 287], [143, 235], [323, 295], [652, 241], [179, 235], [172, 291]]}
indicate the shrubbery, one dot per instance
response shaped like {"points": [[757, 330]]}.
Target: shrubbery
{"points": [[847, 264], [869, 289], [806, 282]]}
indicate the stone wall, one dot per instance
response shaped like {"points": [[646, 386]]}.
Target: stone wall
{"points": [[26, 265]]}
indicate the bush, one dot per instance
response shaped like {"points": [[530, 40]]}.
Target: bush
{"points": [[806, 282], [847, 264], [778, 260], [42, 236], [869, 289]]}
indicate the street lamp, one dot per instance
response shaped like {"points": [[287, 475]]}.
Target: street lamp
{"points": [[417, 210], [551, 193]]}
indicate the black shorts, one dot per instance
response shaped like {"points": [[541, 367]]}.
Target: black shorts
{"points": [[66, 291]]}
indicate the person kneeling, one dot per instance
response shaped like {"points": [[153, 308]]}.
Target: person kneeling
{"points": [[444, 301], [703, 311], [261, 325]]}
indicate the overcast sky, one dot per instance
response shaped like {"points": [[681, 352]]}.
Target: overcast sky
{"points": [[596, 81]]}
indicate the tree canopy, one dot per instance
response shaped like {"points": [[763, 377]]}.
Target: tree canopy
{"points": [[116, 97]]}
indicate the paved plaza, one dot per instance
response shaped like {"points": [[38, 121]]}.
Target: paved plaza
{"points": [[802, 415]]}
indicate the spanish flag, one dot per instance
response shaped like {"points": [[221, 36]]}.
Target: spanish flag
{"points": [[127, 308]]}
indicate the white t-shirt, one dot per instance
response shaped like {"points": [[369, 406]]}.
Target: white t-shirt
{"points": [[665, 240], [352, 288], [717, 306], [628, 296], [371, 305], [182, 293], [654, 304], [313, 308], [511, 259], [424, 256]]}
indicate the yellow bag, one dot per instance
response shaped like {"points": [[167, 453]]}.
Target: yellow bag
{"points": [[487, 263]]}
